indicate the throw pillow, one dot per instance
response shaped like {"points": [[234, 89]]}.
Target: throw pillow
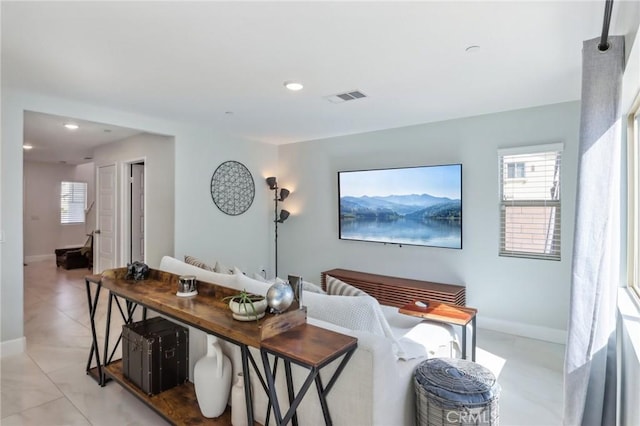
{"points": [[259, 277], [197, 262], [306, 285], [222, 268], [340, 288], [313, 288], [251, 285]]}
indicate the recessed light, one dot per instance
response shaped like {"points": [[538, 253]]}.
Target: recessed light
{"points": [[71, 126], [27, 146], [292, 85], [472, 49]]}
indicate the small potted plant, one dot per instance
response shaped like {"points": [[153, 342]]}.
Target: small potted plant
{"points": [[246, 306]]}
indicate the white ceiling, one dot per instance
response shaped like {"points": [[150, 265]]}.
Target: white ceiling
{"points": [[52, 142], [197, 61]]}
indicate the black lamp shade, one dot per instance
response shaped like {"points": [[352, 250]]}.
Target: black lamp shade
{"points": [[284, 214], [271, 181], [284, 193]]}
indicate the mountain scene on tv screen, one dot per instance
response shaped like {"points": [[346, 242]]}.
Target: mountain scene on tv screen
{"points": [[391, 207], [420, 219]]}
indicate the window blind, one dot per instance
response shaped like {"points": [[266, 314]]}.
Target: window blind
{"points": [[530, 202], [73, 201]]}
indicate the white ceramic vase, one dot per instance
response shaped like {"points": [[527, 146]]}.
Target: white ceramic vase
{"points": [[238, 402], [212, 379]]}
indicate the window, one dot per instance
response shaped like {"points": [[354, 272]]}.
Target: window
{"points": [[73, 201], [530, 201], [515, 170], [633, 223]]}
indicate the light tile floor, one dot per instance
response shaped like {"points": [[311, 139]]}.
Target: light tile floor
{"points": [[48, 386]]}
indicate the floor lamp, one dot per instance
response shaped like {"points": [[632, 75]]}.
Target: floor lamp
{"points": [[282, 216]]}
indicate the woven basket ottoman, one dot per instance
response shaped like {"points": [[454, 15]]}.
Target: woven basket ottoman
{"points": [[455, 392]]}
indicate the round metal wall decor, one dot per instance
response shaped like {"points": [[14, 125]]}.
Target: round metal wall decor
{"points": [[232, 188]]}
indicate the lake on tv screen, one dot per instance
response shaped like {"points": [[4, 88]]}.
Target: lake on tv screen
{"points": [[428, 232], [419, 219]]}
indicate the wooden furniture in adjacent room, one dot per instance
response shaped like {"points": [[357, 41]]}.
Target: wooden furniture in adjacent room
{"points": [[286, 336], [446, 313], [76, 257], [398, 292], [71, 258]]}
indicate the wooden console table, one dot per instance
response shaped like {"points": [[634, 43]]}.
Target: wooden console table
{"points": [[209, 313], [310, 347], [395, 291]]}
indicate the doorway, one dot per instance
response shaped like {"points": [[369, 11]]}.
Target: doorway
{"points": [[136, 212], [105, 234]]}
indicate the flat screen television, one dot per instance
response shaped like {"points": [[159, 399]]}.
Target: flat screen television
{"points": [[419, 206]]}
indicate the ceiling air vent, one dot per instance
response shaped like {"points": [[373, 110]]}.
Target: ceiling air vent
{"points": [[344, 97]]}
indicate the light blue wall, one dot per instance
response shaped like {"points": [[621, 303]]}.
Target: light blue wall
{"points": [[517, 295], [202, 230]]}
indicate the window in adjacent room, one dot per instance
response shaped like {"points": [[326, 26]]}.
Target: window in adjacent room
{"points": [[530, 201], [515, 170], [633, 132], [73, 201]]}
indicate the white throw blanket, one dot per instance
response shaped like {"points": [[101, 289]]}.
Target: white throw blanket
{"points": [[353, 312]]}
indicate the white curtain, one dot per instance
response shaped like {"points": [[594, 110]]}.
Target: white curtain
{"points": [[590, 371]]}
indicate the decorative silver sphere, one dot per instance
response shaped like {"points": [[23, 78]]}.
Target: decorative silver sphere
{"points": [[280, 296]]}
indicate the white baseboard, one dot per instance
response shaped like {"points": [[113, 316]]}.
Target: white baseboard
{"points": [[547, 334], [39, 258], [13, 347]]}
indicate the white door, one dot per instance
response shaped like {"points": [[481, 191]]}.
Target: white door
{"points": [[105, 234], [137, 212]]}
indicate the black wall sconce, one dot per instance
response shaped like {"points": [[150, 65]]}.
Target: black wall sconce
{"points": [[278, 217]]}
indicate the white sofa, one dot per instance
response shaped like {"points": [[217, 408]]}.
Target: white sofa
{"points": [[375, 388]]}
